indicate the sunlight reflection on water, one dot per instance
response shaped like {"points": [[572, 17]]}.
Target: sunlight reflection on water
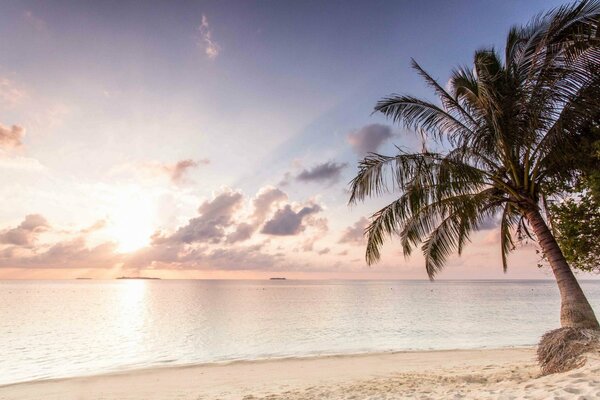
{"points": [[52, 329]]}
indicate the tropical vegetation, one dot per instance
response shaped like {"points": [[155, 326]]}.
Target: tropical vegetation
{"points": [[575, 215]]}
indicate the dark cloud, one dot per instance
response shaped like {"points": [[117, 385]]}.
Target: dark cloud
{"points": [[26, 233], [355, 234], [11, 137], [242, 232], [263, 203], [264, 200], [217, 223], [368, 138], [288, 222], [326, 172], [215, 216]]}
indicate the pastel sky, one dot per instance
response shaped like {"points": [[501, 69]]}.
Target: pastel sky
{"points": [[216, 139]]}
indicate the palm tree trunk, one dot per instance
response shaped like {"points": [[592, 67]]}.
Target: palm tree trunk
{"points": [[575, 310]]}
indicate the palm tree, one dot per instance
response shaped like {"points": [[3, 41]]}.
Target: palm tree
{"points": [[506, 124]]}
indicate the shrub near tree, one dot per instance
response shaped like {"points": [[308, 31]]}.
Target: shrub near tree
{"points": [[575, 215]]}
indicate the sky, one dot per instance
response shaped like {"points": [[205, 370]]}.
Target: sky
{"points": [[216, 139]]}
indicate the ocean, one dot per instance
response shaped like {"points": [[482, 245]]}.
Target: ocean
{"points": [[55, 329]]}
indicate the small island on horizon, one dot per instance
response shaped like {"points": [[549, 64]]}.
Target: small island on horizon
{"points": [[277, 279], [136, 277]]}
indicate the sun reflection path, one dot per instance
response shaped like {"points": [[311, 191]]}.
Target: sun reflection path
{"points": [[133, 321]]}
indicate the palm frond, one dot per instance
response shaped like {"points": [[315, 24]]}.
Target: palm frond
{"points": [[451, 104], [508, 122], [418, 114], [453, 230]]}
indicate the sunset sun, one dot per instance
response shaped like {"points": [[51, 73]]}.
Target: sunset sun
{"points": [[130, 224]]}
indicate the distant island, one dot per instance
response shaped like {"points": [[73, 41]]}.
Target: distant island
{"points": [[83, 278], [136, 277], [277, 279]]}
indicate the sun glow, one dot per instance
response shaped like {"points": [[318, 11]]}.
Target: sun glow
{"points": [[131, 222]]}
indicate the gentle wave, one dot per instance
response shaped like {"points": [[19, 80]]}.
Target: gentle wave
{"points": [[71, 328]]}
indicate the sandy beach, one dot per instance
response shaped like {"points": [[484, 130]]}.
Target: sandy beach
{"points": [[457, 374]]}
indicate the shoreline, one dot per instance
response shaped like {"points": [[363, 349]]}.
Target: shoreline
{"points": [[500, 373], [476, 373], [224, 363]]}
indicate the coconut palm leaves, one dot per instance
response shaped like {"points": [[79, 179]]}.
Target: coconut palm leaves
{"points": [[505, 122]]}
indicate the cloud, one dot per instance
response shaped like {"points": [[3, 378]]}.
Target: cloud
{"points": [[24, 251], [263, 203], [33, 222], [287, 222], [211, 48], [11, 137], [72, 253], [75, 253], [369, 138], [355, 234], [320, 227], [326, 172], [203, 257], [264, 200], [210, 240], [156, 255], [215, 216], [26, 233], [10, 94], [96, 226], [242, 232], [178, 170], [287, 178], [240, 258]]}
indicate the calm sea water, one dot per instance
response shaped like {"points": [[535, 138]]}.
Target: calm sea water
{"points": [[51, 329]]}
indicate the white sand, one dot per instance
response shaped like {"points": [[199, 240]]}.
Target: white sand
{"points": [[460, 374]]}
